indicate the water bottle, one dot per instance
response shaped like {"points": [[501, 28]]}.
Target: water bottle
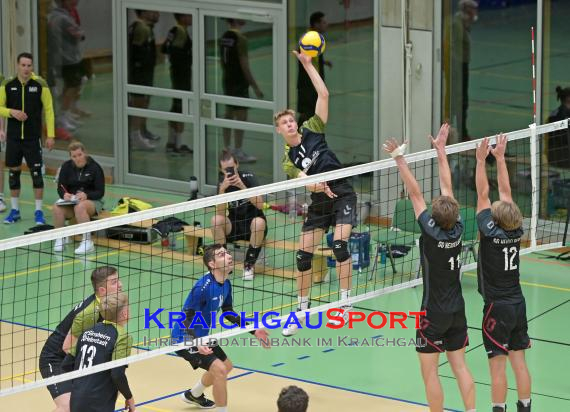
{"points": [[292, 206], [193, 188], [383, 252], [200, 244]]}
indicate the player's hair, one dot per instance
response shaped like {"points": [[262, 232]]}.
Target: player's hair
{"points": [[210, 253], [24, 55], [75, 145], [506, 215], [227, 155], [316, 18], [99, 276], [111, 305], [445, 211], [293, 399], [279, 115]]}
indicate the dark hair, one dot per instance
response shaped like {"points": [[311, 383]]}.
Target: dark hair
{"points": [[99, 276], [210, 252], [24, 55], [562, 94], [227, 155], [293, 399], [316, 18]]}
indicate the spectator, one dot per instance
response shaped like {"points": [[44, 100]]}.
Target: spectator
{"points": [[237, 78], [245, 219], [81, 186], [292, 399], [558, 143], [22, 100], [178, 46], [65, 61], [306, 94]]}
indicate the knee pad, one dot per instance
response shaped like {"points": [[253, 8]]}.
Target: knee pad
{"points": [[37, 178], [340, 250], [304, 260], [14, 179]]}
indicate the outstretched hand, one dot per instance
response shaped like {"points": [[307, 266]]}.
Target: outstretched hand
{"points": [[501, 146], [392, 147], [441, 140], [483, 150], [303, 58]]}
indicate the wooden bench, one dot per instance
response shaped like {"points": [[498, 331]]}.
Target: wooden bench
{"points": [[319, 266]]}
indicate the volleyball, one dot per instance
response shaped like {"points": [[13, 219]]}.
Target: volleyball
{"points": [[312, 43]]}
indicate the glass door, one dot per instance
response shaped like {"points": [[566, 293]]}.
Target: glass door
{"points": [[197, 79], [237, 96]]}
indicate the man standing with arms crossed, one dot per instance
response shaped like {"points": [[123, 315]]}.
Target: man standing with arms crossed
{"points": [[22, 100]]}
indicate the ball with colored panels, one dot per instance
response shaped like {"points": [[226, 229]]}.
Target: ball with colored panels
{"points": [[312, 43]]}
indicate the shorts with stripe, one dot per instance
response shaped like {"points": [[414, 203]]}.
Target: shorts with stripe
{"points": [[505, 328], [50, 365], [440, 332]]}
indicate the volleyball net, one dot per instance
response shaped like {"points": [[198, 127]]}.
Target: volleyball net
{"points": [[157, 252]]}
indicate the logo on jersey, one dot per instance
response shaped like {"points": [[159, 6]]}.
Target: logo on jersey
{"points": [[33, 89], [491, 225], [431, 223], [305, 163]]}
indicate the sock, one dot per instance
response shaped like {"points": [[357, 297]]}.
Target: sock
{"points": [[472, 410], [251, 255], [198, 389], [303, 302], [525, 402], [86, 236], [222, 409], [500, 405], [15, 203], [344, 294], [39, 204]]}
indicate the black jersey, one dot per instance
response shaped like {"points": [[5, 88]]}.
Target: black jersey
{"points": [[178, 46], [498, 268], [314, 156], [233, 46], [242, 209], [440, 255], [141, 52], [54, 342], [98, 392]]}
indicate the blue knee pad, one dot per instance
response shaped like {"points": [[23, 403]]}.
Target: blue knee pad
{"points": [[340, 250]]}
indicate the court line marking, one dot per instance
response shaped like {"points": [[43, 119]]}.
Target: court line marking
{"points": [[57, 265], [525, 283]]}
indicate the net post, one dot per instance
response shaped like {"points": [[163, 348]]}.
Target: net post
{"points": [[534, 176]]}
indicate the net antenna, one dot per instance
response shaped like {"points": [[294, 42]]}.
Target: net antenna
{"points": [[533, 76]]}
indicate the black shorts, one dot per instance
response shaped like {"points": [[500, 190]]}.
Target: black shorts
{"points": [[72, 74], [31, 150], [51, 365], [197, 360], [442, 332], [325, 212], [241, 229], [236, 91], [505, 328]]}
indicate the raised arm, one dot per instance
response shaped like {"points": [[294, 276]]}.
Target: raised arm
{"points": [[397, 152], [322, 106], [444, 172], [481, 181], [502, 172]]}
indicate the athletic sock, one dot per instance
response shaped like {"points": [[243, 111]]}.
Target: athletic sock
{"points": [[303, 302], [39, 204], [198, 389], [222, 409], [525, 402], [15, 203], [344, 295]]}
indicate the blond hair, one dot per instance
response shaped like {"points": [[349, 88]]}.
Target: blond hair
{"points": [[445, 212], [75, 145], [506, 215], [279, 115], [112, 305]]}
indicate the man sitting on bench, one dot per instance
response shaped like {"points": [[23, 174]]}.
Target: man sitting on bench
{"points": [[244, 219], [81, 186]]}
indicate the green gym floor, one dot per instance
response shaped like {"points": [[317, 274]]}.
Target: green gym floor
{"points": [[39, 288]]}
